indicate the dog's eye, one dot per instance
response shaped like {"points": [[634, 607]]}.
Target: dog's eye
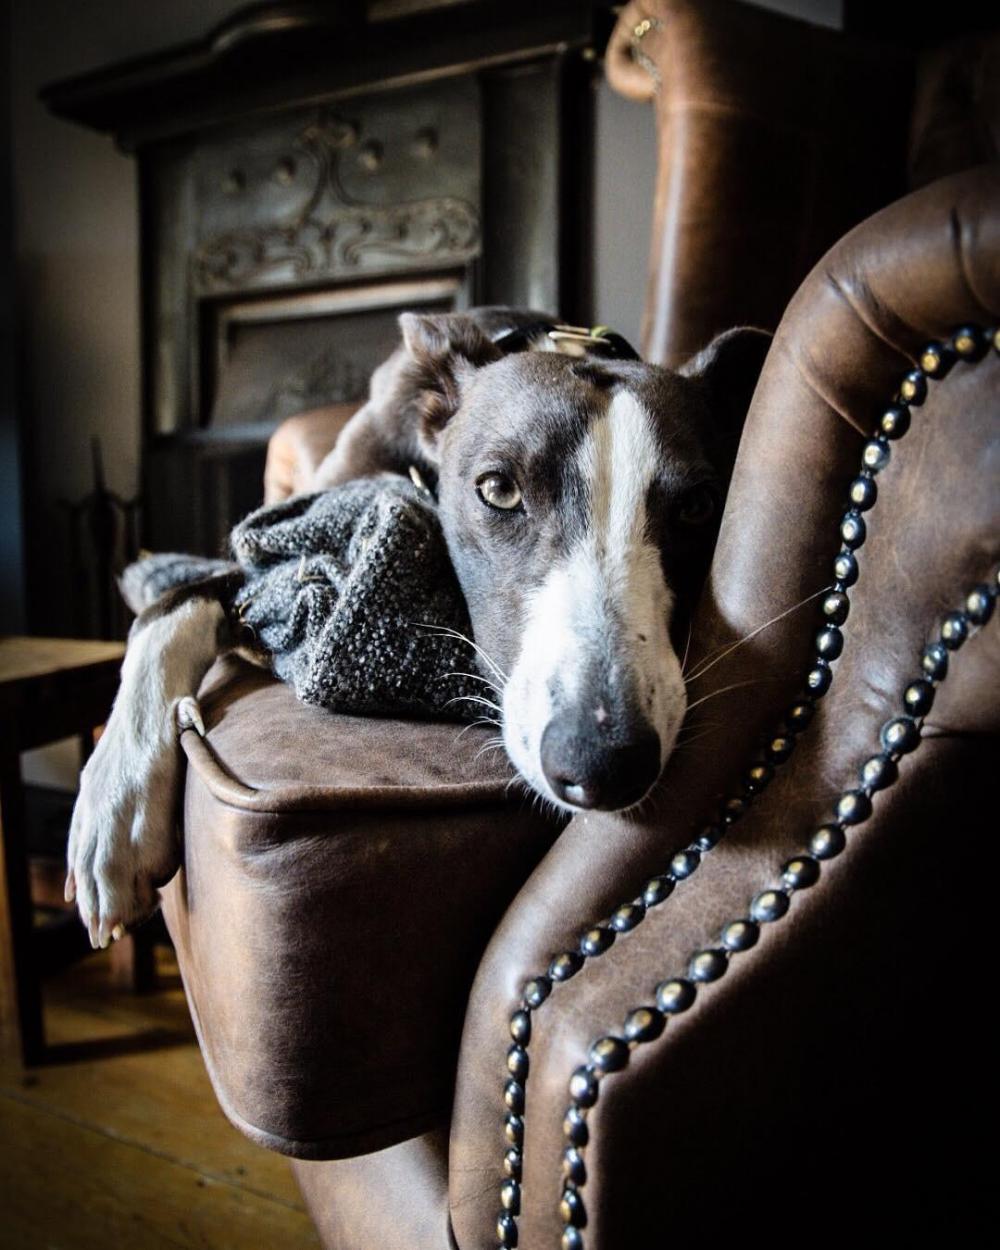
{"points": [[499, 491], [697, 506]]}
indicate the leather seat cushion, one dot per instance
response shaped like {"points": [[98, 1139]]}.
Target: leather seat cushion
{"points": [[341, 878], [299, 446]]}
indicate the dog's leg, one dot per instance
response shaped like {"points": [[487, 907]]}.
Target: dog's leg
{"points": [[123, 840]]}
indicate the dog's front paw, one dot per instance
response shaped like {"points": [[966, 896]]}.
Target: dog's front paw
{"points": [[123, 840]]}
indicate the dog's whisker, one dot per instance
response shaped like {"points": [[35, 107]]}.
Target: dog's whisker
{"points": [[687, 645], [645, 808], [528, 791], [657, 798], [631, 814], [710, 662], [542, 804], [454, 633], [475, 698], [701, 725], [476, 724], [689, 742], [493, 745], [736, 685], [478, 677]]}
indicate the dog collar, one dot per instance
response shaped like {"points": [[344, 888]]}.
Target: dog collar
{"points": [[592, 338]]}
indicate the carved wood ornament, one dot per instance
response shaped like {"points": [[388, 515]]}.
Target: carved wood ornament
{"points": [[333, 231]]}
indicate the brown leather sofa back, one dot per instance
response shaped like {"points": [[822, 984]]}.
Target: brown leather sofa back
{"points": [[298, 447], [722, 1102], [775, 137]]}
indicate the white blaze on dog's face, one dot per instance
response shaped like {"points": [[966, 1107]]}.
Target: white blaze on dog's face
{"points": [[580, 502], [595, 696]]}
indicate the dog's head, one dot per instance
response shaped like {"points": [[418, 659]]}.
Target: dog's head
{"points": [[580, 500]]}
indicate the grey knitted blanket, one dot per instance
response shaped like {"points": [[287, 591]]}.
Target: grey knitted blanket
{"points": [[352, 595]]}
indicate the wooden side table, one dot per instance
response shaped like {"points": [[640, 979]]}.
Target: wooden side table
{"points": [[50, 688]]}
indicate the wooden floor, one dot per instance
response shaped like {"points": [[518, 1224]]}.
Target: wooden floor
{"points": [[118, 1141]]}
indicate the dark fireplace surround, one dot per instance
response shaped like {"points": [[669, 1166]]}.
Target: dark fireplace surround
{"points": [[307, 172]]}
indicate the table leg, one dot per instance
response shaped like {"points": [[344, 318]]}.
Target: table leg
{"points": [[22, 1037], [133, 963]]}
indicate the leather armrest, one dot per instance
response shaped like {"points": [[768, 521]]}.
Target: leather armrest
{"points": [[831, 1017], [341, 877], [298, 447], [774, 138]]}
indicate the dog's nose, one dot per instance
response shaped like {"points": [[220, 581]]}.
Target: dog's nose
{"points": [[594, 770]]}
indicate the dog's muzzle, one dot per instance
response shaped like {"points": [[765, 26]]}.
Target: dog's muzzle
{"points": [[599, 768]]}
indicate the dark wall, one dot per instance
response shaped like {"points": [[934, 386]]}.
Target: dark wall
{"points": [[77, 275], [12, 614]]}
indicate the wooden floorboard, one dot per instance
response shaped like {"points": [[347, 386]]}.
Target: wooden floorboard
{"points": [[118, 1140]]}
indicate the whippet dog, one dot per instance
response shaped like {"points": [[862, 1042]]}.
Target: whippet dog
{"points": [[579, 492]]}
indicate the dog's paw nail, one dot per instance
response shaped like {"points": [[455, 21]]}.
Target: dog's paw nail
{"points": [[189, 715], [69, 893], [118, 932]]}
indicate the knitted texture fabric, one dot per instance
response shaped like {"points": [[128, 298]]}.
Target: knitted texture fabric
{"points": [[147, 580], [351, 594]]}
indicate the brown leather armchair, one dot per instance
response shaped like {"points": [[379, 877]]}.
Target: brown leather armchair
{"points": [[366, 922]]}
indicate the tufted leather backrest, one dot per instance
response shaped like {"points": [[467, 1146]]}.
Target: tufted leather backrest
{"points": [[912, 273], [298, 447]]}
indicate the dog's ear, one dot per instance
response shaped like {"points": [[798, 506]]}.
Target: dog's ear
{"points": [[445, 349], [730, 366]]}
